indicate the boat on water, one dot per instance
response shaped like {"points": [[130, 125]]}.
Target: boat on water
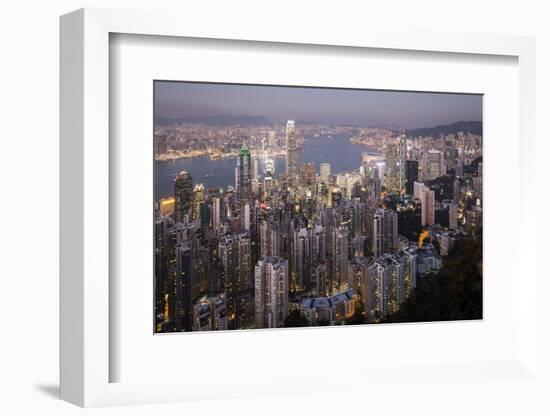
{"points": [[210, 175]]}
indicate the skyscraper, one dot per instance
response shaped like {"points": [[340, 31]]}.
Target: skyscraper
{"points": [[418, 188], [384, 232], [456, 191], [428, 206], [187, 286], [291, 154], [411, 173], [235, 259], [435, 165], [340, 258], [374, 291], [244, 177], [269, 172], [183, 192], [271, 292], [301, 261], [401, 158], [198, 200], [269, 237], [324, 172], [307, 175], [391, 181], [453, 216], [216, 214], [255, 168]]}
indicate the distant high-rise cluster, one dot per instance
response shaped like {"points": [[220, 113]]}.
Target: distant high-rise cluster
{"points": [[312, 243]]}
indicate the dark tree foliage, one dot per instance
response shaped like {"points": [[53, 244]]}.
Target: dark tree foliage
{"points": [[391, 201], [442, 217], [442, 187], [453, 293], [409, 223], [295, 318]]}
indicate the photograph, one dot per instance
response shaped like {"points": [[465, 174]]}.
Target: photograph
{"points": [[299, 206]]}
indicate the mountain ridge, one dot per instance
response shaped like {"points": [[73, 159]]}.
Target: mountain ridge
{"points": [[220, 121], [474, 127]]}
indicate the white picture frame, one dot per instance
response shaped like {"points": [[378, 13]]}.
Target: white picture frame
{"points": [[85, 352]]}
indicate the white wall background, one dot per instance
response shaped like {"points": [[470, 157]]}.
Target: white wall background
{"points": [[29, 81]]}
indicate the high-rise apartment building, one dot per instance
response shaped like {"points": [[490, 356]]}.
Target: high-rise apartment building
{"points": [[428, 206], [384, 232], [271, 292]]}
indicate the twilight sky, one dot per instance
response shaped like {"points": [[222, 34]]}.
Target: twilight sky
{"points": [[334, 106]]}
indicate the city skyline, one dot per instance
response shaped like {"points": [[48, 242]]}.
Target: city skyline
{"points": [[360, 107], [314, 225]]}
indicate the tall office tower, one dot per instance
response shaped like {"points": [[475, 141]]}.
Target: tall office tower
{"points": [[453, 217], [411, 173], [183, 192], [216, 215], [244, 178], [245, 215], [384, 232], [308, 175], [187, 286], [204, 215], [391, 179], [418, 188], [269, 173], [324, 172], [321, 279], [255, 169], [271, 292], [374, 291], [428, 206], [435, 164], [400, 163], [198, 200], [301, 260], [210, 313], [456, 191], [269, 238], [291, 154], [235, 260], [340, 258], [459, 162]]}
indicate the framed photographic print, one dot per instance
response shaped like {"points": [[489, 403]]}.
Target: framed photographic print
{"points": [[351, 212], [291, 212]]}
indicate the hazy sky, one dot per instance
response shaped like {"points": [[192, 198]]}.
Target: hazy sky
{"points": [[335, 106]]}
